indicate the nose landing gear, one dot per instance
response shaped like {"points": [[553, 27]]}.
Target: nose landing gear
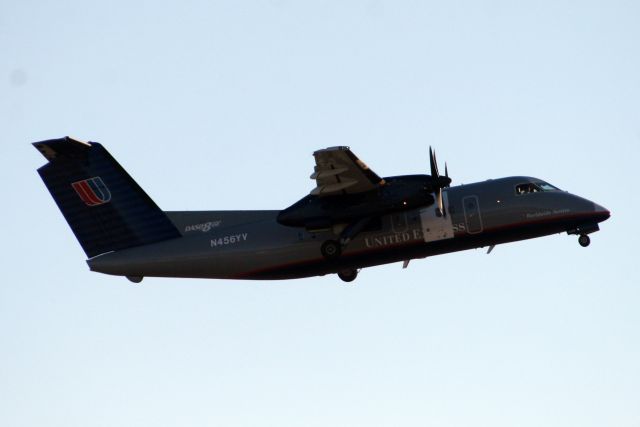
{"points": [[584, 240], [583, 231]]}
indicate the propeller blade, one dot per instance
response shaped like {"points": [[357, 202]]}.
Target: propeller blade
{"points": [[437, 182], [441, 203], [434, 164], [446, 174]]}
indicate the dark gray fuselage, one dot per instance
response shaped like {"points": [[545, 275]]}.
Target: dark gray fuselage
{"points": [[253, 245]]}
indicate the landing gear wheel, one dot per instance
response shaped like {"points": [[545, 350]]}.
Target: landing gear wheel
{"points": [[348, 275], [330, 249], [584, 240]]}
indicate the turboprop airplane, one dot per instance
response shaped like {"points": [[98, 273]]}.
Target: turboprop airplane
{"points": [[352, 219]]}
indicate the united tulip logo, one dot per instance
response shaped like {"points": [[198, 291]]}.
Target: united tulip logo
{"points": [[92, 191]]}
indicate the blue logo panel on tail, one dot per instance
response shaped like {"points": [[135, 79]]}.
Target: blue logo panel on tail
{"points": [[92, 191]]}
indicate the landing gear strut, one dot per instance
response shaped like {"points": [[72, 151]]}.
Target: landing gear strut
{"points": [[333, 249], [584, 240], [348, 275], [330, 249], [583, 231]]}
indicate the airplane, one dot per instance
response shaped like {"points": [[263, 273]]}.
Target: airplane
{"points": [[351, 220]]}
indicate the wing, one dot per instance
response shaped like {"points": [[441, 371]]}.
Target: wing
{"points": [[339, 171]]}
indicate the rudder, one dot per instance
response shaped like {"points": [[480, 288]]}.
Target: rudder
{"points": [[105, 208]]}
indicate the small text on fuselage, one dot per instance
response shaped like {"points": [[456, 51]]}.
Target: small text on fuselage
{"points": [[204, 227], [229, 240]]}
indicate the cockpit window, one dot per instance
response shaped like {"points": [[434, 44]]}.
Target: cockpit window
{"points": [[531, 187], [545, 186], [527, 188]]}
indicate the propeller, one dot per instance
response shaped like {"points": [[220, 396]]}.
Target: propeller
{"points": [[438, 182], [446, 174]]}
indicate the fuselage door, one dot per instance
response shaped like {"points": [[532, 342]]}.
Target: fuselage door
{"points": [[436, 227], [472, 214]]}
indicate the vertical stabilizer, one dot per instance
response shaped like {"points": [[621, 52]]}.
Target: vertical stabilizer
{"points": [[103, 205]]}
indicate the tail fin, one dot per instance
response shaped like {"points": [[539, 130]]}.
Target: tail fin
{"points": [[103, 205]]}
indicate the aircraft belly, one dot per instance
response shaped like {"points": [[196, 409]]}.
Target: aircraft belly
{"points": [[227, 253]]}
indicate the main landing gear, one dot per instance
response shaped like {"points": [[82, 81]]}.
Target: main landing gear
{"points": [[348, 275], [584, 240], [331, 249]]}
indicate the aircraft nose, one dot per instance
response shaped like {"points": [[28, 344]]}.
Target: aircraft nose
{"points": [[602, 212]]}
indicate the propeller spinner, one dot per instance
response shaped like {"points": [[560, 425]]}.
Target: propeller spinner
{"points": [[438, 182]]}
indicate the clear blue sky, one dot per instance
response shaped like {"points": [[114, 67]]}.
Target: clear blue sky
{"points": [[219, 105]]}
